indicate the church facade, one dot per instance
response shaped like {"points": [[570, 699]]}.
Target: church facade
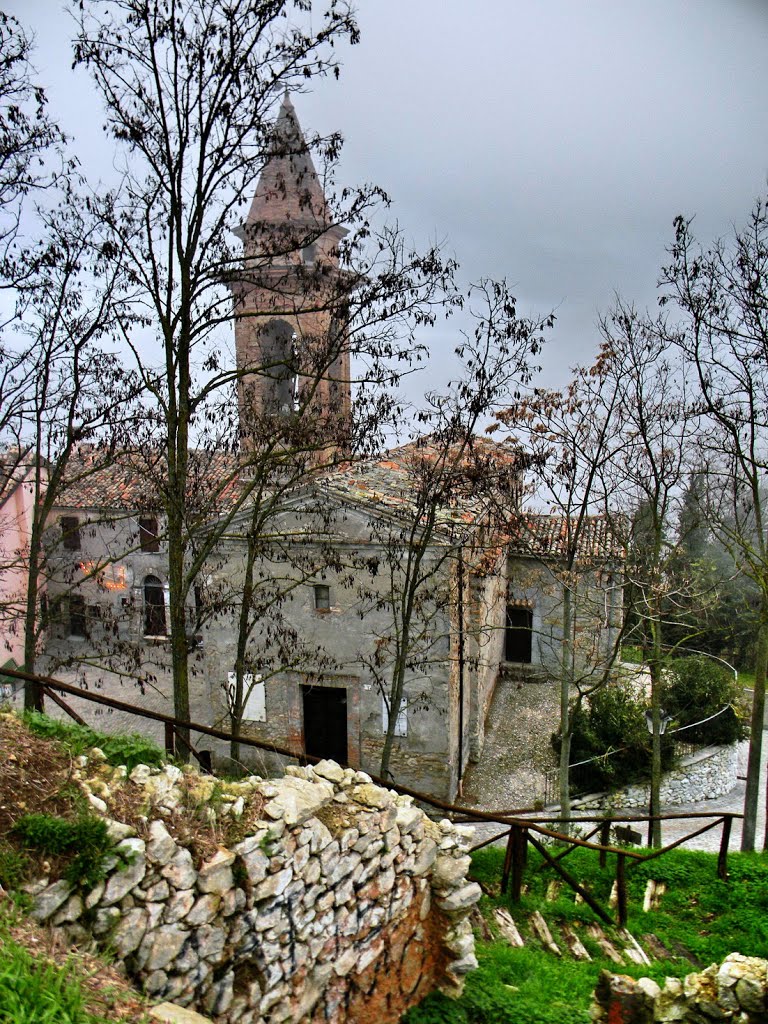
{"points": [[315, 667]]}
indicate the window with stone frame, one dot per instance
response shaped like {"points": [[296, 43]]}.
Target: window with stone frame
{"points": [[155, 624], [78, 622], [322, 597]]}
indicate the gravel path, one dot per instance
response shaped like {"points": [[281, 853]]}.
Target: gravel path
{"points": [[518, 754]]}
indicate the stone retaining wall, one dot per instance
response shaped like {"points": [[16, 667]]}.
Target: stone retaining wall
{"points": [[706, 775], [344, 902], [736, 991]]}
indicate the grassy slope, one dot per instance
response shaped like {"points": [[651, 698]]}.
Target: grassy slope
{"points": [[700, 918]]}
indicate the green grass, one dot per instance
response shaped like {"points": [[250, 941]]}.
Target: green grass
{"points": [[699, 914], [33, 991], [130, 749]]}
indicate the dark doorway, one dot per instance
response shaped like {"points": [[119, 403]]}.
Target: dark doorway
{"points": [[325, 722], [519, 634]]}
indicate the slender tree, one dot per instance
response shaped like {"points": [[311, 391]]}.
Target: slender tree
{"points": [[653, 419], [190, 92], [573, 443], [720, 297], [459, 496]]}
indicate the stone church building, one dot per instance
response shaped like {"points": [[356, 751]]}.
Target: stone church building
{"points": [[321, 650]]}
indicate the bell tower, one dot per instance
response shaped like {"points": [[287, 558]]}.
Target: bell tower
{"points": [[290, 341]]}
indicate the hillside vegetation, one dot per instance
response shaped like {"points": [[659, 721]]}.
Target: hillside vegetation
{"points": [[699, 921]]}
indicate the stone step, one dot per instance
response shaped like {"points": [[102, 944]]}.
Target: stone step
{"points": [[653, 893], [508, 928]]}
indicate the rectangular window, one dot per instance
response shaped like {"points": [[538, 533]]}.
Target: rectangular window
{"points": [[401, 725], [254, 696], [77, 619], [70, 532], [322, 598], [148, 535]]}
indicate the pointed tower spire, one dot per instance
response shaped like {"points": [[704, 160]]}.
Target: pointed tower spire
{"points": [[289, 190], [290, 335]]}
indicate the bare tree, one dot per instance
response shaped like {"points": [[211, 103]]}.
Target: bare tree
{"points": [[572, 441], [658, 435], [190, 92], [720, 296], [73, 392], [458, 493]]}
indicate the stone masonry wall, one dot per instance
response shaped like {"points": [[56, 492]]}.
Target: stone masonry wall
{"points": [[735, 991], [705, 775], [342, 903]]}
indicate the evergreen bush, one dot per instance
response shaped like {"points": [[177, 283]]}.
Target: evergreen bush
{"points": [[610, 726], [696, 688]]}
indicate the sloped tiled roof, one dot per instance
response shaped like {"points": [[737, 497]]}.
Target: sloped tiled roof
{"points": [[397, 482], [125, 481], [548, 536]]}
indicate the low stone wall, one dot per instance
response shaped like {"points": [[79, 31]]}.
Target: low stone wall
{"points": [[343, 902], [736, 991], [705, 775]]}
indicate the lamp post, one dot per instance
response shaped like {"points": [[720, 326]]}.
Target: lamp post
{"points": [[664, 720]]}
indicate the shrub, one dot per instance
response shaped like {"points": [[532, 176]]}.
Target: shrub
{"points": [[611, 723], [84, 842], [13, 867], [698, 687], [130, 749]]}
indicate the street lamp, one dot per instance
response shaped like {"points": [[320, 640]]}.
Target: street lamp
{"points": [[664, 720]]}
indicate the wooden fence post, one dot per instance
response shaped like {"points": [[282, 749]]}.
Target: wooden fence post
{"points": [[519, 858], [725, 838], [508, 859], [170, 739], [621, 888], [605, 835]]}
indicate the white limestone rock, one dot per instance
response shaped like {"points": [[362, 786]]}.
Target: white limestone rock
{"points": [[50, 899], [180, 871], [215, 875], [130, 872], [161, 946], [448, 872], [161, 847], [129, 931], [297, 800]]}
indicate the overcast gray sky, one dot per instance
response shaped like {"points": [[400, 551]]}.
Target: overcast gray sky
{"points": [[552, 143]]}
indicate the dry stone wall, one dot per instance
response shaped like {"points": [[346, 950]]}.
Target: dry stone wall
{"points": [[706, 775], [736, 991], [344, 902]]}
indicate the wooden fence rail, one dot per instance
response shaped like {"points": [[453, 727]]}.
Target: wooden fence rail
{"points": [[519, 831]]}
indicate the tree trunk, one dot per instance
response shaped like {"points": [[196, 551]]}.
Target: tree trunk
{"points": [[178, 624], [654, 831], [33, 696], [752, 792], [565, 722]]}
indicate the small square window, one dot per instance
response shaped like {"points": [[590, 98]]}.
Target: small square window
{"points": [[322, 597], [401, 725], [254, 696], [148, 538], [70, 532]]}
